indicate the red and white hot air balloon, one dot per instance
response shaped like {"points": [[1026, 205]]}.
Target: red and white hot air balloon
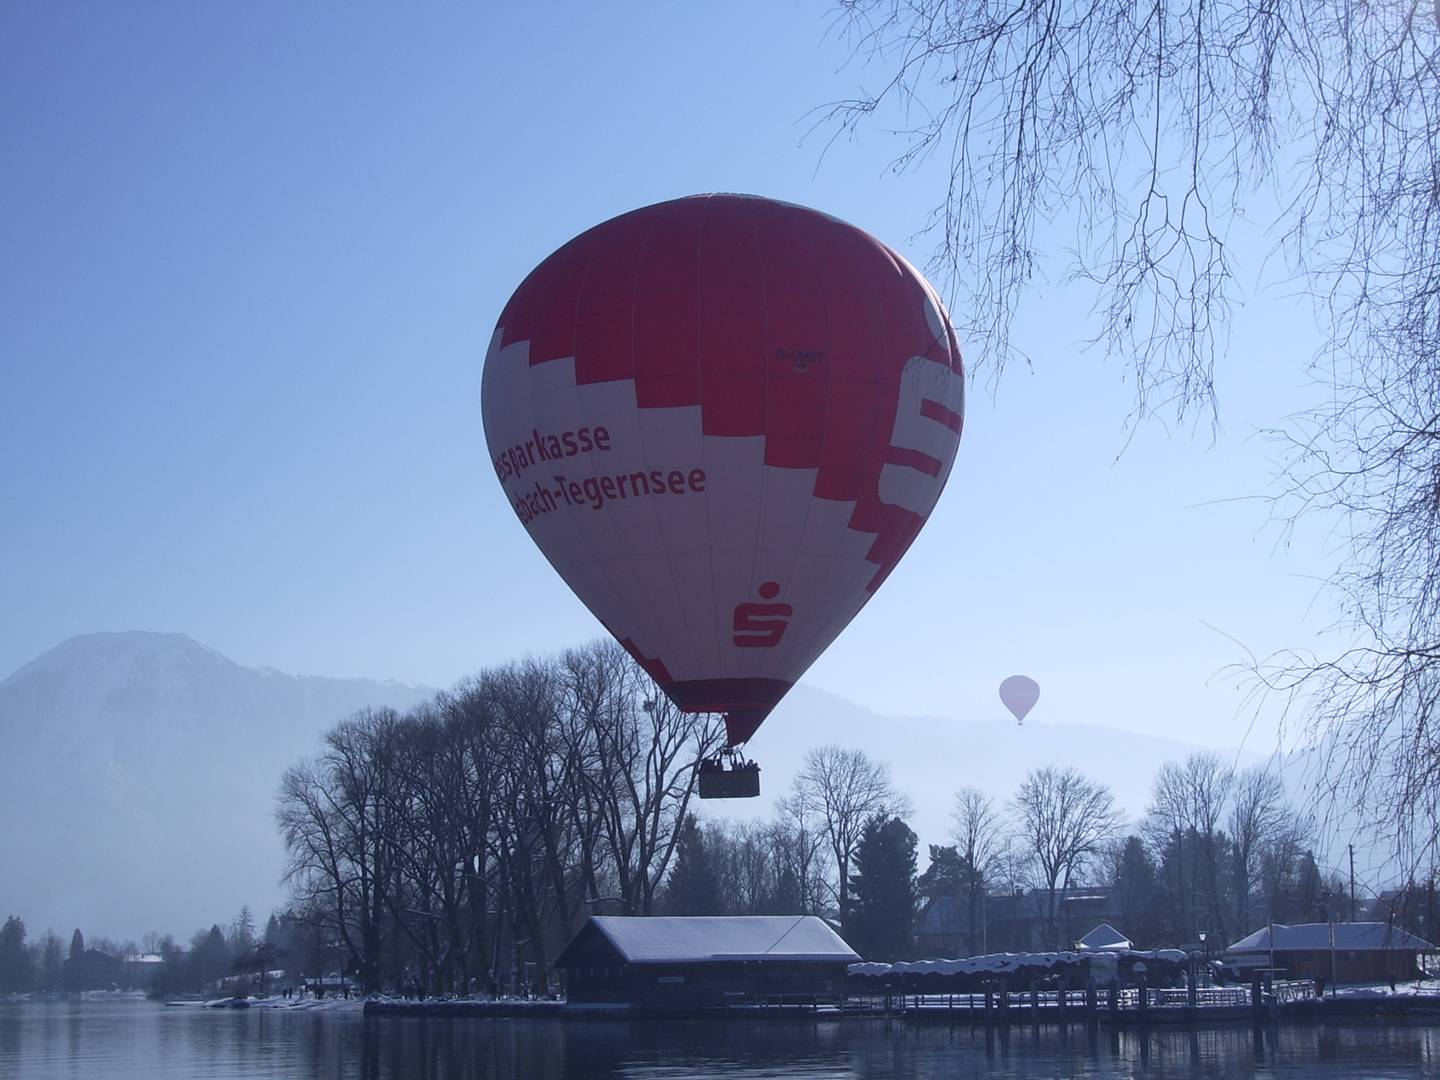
{"points": [[724, 419], [1019, 693]]}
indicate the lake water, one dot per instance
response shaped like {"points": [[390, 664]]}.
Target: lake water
{"points": [[133, 1039]]}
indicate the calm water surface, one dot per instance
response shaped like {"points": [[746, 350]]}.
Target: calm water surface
{"points": [[122, 1040]]}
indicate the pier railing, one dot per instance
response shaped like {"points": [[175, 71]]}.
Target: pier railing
{"points": [[1052, 1005], [1294, 990]]}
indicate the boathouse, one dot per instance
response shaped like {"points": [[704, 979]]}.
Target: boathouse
{"points": [[1336, 952], [93, 970], [673, 964]]}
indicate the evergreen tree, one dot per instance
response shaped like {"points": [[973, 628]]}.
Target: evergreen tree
{"points": [[15, 975], [787, 898], [1139, 900], [242, 931], [70, 968], [948, 875], [1310, 891], [950, 888], [882, 915], [694, 884], [174, 974], [210, 957]]}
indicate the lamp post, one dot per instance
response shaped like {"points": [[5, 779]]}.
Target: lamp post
{"points": [[1205, 949], [1334, 975]]}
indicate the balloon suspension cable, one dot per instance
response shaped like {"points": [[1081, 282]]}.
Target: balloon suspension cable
{"points": [[729, 758], [728, 774]]}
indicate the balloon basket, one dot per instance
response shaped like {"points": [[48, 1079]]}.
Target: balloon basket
{"points": [[728, 775]]}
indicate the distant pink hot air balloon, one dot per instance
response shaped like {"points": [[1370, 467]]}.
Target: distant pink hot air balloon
{"points": [[723, 419], [1019, 693]]}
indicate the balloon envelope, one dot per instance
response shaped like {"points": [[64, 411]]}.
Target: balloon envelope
{"points": [[723, 420], [1019, 693]]}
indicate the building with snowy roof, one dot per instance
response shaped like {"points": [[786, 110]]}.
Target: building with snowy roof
{"points": [[673, 964], [1014, 922], [1104, 938], [1339, 952]]}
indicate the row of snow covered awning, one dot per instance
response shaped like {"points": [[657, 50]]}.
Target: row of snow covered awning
{"points": [[1008, 963]]}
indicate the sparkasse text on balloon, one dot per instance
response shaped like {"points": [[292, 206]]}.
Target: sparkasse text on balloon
{"points": [[538, 448]]}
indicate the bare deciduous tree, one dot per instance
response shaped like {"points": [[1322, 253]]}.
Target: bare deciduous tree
{"points": [[802, 865], [977, 828], [1183, 825], [1064, 820], [839, 791], [978, 842], [1137, 137], [1260, 821], [469, 838], [641, 776], [338, 820]]}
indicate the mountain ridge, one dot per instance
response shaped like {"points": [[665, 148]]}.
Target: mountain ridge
{"points": [[138, 774]]}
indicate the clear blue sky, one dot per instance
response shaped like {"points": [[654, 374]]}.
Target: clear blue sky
{"points": [[250, 258]]}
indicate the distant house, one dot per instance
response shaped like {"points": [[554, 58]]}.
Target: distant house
{"points": [[94, 970], [1104, 938], [945, 929], [1010, 922], [659, 965], [1342, 952]]}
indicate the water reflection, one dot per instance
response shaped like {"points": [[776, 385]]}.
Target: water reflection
{"points": [[41, 1040]]}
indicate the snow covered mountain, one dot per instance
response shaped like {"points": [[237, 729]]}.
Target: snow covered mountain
{"points": [[138, 774]]}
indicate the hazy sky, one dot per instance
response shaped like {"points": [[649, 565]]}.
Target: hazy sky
{"points": [[252, 254]]}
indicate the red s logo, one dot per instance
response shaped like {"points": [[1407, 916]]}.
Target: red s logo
{"points": [[761, 626]]}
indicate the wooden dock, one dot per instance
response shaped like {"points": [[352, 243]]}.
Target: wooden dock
{"points": [[1106, 1006]]}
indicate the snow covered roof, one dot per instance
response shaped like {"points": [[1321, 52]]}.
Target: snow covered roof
{"points": [[1104, 936], [1368, 936], [672, 939]]}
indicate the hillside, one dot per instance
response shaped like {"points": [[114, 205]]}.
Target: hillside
{"points": [[138, 774], [137, 780]]}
